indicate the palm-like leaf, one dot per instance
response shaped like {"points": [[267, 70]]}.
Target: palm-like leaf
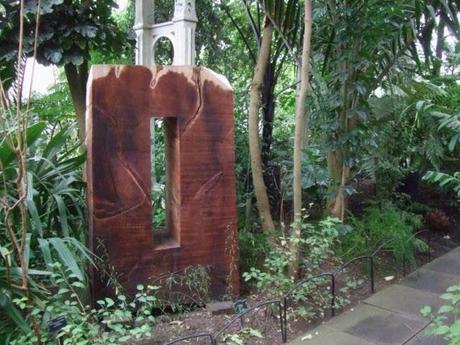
{"points": [[286, 16]]}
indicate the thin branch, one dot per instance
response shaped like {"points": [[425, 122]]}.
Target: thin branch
{"points": [[387, 68], [240, 31], [288, 87], [283, 37], [254, 27]]}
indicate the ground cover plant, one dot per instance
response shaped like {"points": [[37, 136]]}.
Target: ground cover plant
{"points": [[445, 320], [366, 92]]}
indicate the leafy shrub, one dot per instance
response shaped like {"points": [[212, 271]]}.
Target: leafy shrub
{"points": [[254, 248], [445, 180], [316, 245], [114, 321], [437, 221], [446, 321], [189, 286], [383, 223], [449, 180]]}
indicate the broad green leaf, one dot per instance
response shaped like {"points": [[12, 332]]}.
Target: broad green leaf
{"points": [[445, 309], [455, 329], [6, 152], [67, 257], [11, 311]]}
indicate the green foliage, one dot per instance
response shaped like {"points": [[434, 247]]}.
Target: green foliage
{"points": [[254, 248], [68, 31], [447, 180], [55, 187], [55, 210], [402, 133], [114, 321], [353, 55], [67, 253], [187, 287], [55, 107], [383, 223], [286, 18], [158, 168], [158, 206], [446, 321], [316, 246], [444, 180], [240, 337]]}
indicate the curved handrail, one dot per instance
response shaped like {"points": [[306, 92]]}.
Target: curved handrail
{"points": [[306, 280], [283, 301], [241, 315], [192, 336]]}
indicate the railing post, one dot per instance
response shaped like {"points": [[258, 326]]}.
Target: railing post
{"points": [[404, 264], [283, 320], [333, 294], [371, 261], [429, 247]]}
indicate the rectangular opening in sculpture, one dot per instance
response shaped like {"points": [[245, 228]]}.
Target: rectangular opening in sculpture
{"points": [[164, 183], [158, 175]]}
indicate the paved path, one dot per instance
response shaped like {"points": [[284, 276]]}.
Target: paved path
{"points": [[392, 315]]}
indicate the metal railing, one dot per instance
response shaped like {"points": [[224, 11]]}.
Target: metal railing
{"points": [[283, 302]]}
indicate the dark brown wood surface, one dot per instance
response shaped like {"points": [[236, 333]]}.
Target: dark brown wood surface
{"points": [[197, 105]]}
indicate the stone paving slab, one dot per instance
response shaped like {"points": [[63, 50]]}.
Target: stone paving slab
{"points": [[378, 325], [421, 339], [403, 299], [324, 335], [392, 316], [449, 263], [431, 281]]}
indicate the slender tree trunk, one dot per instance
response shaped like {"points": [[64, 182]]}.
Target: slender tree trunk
{"points": [[77, 78], [339, 206], [254, 147], [340, 175], [335, 169], [268, 102], [301, 126], [268, 113], [339, 170], [437, 63]]}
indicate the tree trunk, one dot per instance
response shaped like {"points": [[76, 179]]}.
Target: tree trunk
{"points": [[341, 172], [335, 168], [338, 170], [77, 78], [253, 124], [437, 63], [301, 126], [268, 102], [268, 114], [339, 206]]}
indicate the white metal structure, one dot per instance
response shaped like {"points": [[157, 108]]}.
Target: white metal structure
{"points": [[180, 31]]}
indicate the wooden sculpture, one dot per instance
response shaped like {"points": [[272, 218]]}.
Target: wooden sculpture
{"points": [[197, 107]]}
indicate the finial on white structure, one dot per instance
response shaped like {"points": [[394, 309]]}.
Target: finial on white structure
{"points": [[185, 10], [180, 31], [184, 32]]}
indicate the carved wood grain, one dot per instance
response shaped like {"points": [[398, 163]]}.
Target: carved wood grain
{"points": [[197, 105]]}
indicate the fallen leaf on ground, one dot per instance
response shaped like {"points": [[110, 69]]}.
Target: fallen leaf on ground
{"points": [[177, 322], [307, 337]]}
